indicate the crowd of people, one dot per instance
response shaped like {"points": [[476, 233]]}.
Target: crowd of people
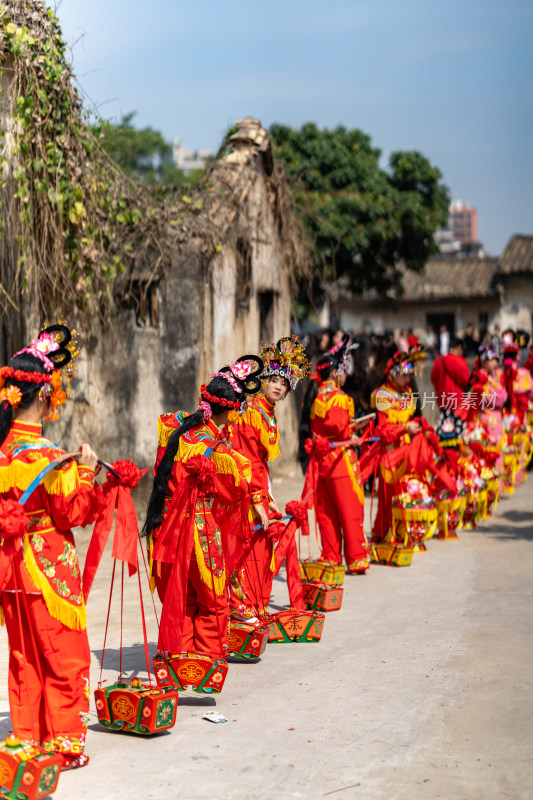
{"points": [[215, 535]]}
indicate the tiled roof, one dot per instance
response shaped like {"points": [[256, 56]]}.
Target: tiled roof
{"points": [[518, 255], [444, 278]]}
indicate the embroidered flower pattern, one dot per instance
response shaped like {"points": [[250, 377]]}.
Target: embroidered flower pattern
{"points": [[37, 542]]}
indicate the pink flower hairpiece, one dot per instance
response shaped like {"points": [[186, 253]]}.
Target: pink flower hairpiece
{"points": [[40, 347], [207, 410], [230, 379]]}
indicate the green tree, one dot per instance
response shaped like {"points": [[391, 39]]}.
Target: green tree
{"points": [[362, 220], [142, 153]]}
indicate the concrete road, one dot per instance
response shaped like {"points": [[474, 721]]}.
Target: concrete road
{"points": [[420, 688]]}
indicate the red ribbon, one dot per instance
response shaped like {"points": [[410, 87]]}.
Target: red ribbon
{"points": [[287, 551], [117, 493], [174, 546]]}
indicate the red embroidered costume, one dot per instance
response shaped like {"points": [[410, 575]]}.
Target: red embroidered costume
{"points": [[339, 499], [49, 653], [205, 626], [256, 436]]}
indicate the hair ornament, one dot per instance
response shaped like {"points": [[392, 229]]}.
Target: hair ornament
{"points": [[230, 379], [286, 359], [218, 401], [11, 395], [404, 363], [316, 376], [206, 409]]}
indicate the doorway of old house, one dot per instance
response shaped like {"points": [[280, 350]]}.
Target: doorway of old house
{"points": [[266, 316], [437, 320]]}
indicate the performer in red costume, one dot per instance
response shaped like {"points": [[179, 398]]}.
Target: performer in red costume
{"points": [[256, 436], [333, 471], [450, 376], [199, 484], [49, 651], [395, 408]]}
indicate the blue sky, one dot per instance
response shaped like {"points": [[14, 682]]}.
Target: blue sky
{"points": [[452, 79]]}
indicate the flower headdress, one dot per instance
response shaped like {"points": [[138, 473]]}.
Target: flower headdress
{"points": [[56, 348], [285, 359], [405, 363], [242, 376]]}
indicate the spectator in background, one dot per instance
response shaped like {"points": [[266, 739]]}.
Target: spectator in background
{"points": [[471, 341], [403, 341], [444, 340]]}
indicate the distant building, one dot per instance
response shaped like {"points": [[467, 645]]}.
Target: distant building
{"points": [[463, 220], [459, 236], [189, 160]]}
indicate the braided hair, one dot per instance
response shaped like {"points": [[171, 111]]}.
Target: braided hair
{"points": [[231, 391]]}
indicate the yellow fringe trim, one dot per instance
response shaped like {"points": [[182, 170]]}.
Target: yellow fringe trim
{"points": [[226, 465], [164, 432], [340, 400], [151, 576], [355, 485], [256, 420], [65, 612], [18, 475], [206, 575]]}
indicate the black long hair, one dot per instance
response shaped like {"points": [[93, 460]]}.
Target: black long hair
{"points": [[30, 391], [217, 387], [326, 365]]}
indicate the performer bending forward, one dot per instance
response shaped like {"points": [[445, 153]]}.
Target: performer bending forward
{"points": [[49, 656], [199, 484], [338, 494]]}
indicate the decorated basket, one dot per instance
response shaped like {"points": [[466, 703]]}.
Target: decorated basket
{"points": [[471, 512], [510, 466], [247, 639], [321, 596], [205, 675], [136, 707], [414, 513], [325, 571], [450, 510], [27, 771], [296, 626], [391, 553]]}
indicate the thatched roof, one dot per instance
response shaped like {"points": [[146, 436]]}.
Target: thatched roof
{"points": [[517, 258]]}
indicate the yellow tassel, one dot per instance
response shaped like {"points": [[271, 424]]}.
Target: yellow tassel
{"points": [[226, 465], [186, 451], [151, 578], [206, 575], [19, 474], [341, 400], [62, 481], [256, 420], [71, 616], [355, 484]]}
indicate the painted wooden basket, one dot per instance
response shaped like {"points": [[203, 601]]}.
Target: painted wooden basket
{"points": [[27, 771], [296, 626], [321, 596], [202, 673], [326, 571], [247, 639], [137, 708]]}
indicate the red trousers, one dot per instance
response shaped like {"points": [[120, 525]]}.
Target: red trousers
{"points": [[49, 705], [254, 575], [206, 623], [383, 520], [340, 516]]}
